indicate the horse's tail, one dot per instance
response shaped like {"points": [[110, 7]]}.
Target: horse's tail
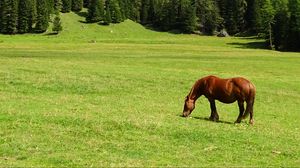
{"points": [[250, 101]]}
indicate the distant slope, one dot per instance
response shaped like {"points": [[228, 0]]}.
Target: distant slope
{"points": [[75, 26], [76, 31]]}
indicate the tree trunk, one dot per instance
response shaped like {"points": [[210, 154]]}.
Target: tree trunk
{"points": [[270, 37]]}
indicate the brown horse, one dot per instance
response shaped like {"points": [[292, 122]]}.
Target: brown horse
{"points": [[224, 90]]}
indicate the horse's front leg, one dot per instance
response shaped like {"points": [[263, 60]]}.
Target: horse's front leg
{"points": [[242, 109], [214, 114]]}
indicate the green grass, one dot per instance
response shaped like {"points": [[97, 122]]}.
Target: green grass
{"points": [[112, 95]]}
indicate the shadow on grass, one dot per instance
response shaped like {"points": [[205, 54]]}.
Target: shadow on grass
{"points": [[82, 14], [51, 34], [207, 119], [250, 45], [85, 22], [249, 37], [159, 29]]}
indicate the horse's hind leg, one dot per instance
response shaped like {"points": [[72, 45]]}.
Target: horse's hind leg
{"points": [[214, 114], [251, 114], [249, 110], [242, 109]]}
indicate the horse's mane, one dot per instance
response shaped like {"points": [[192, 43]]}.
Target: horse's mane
{"points": [[195, 87], [192, 90]]}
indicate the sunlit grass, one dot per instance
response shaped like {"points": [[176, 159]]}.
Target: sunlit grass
{"points": [[112, 96]]}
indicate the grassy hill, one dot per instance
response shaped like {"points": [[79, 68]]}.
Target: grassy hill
{"points": [[112, 95]]}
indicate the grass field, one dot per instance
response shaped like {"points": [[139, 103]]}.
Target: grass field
{"points": [[112, 95]]}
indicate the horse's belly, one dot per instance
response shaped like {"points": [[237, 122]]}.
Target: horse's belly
{"points": [[222, 98], [225, 94], [228, 101]]}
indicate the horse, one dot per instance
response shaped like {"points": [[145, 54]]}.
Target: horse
{"points": [[224, 90]]}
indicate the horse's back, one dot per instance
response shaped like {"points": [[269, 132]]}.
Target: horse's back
{"points": [[240, 82], [229, 89]]}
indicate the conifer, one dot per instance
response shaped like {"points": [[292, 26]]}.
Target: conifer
{"points": [[42, 22], [115, 11], [77, 5], [57, 27], [25, 14], [9, 17], [66, 6], [57, 6], [1, 15], [95, 11], [86, 3], [107, 19], [294, 26]]}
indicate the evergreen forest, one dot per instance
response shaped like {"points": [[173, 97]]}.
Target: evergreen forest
{"points": [[277, 21]]}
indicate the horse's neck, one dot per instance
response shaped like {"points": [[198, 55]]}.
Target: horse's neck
{"points": [[196, 91]]}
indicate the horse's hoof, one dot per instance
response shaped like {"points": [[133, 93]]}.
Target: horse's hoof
{"points": [[251, 122], [214, 120], [237, 121]]}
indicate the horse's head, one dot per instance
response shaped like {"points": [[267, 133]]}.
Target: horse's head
{"points": [[189, 106]]}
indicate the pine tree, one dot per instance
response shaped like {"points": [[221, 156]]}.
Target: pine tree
{"points": [[281, 24], [134, 9], [222, 7], [9, 16], [95, 11], [144, 11], [123, 9], [25, 13], [42, 16], [240, 8], [294, 25], [101, 9], [115, 11], [163, 18], [57, 6], [77, 5], [86, 3], [152, 11], [256, 16], [50, 4], [171, 17], [1, 15], [157, 13], [190, 21], [107, 19], [57, 27], [209, 16], [147, 11], [230, 21], [266, 20], [187, 17], [233, 13], [250, 16], [33, 15], [66, 6]]}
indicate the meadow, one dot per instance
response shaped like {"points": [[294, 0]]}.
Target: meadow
{"points": [[99, 96]]}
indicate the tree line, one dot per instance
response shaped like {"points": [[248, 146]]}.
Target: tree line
{"points": [[278, 21], [28, 16]]}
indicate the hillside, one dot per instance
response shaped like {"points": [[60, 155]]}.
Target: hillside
{"points": [[76, 30]]}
